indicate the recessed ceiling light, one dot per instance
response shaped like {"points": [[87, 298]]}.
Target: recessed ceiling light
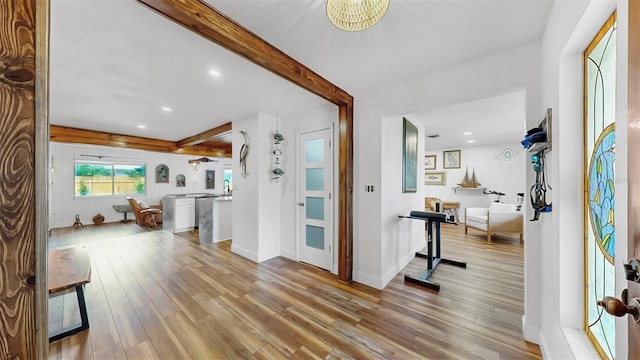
{"points": [[467, 133], [215, 73], [471, 141], [141, 127], [165, 108]]}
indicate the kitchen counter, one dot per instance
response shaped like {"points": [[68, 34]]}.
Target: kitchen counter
{"points": [[214, 219], [192, 195], [208, 213]]}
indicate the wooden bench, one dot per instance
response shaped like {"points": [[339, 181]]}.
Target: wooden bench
{"points": [[70, 268]]}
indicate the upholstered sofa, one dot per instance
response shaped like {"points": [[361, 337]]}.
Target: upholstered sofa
{"points": [[498, 218]]}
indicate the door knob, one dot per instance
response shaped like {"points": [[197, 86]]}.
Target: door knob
{"points": [[618, 308], [300, 204], [632, 270]]}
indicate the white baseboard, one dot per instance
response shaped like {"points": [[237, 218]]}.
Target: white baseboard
{"points": [[289, 254], [561, 342], [264, 257], [529, 332], [244, 253], [544, 348], [394, 270], [58, 225], [368, 280]]}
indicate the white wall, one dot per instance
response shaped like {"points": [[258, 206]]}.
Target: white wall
{"points": [[516, 69], [269, 198], [558, 257], [401, 238], [63, 206], [289, 126], [256, 198], [492, 171]]}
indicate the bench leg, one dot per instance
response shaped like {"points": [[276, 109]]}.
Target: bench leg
{"points": [[84, 325], [84, 319]]}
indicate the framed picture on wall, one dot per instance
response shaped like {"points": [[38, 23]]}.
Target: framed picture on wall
{"points": [[429, 162], [451, 159], [409, 157], [210, 179], [162, 173], [435, 178], [180, 180]]}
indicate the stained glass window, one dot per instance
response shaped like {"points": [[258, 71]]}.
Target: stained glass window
{"points": [[600, 145]]}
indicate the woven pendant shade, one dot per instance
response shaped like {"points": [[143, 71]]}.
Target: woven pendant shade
{"points": [[356, 15]]}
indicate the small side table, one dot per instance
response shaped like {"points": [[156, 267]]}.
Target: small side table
{"points": [[450, 208], [124, 209]]}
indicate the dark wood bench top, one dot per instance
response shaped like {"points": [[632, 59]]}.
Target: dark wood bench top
{"points": [[68, 268]]}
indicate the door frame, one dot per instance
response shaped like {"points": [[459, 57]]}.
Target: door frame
{"points": [[215, 26], [633, 168], [335, 191]]}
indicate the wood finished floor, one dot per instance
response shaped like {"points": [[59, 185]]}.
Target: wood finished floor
{"points": [[155, 295]]}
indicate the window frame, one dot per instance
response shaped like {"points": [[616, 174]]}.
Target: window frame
{"points": [[589, 246], [113, 165]]}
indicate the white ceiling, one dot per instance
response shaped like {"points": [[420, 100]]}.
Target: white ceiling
{"points": [[115, 64], [495, 120]]}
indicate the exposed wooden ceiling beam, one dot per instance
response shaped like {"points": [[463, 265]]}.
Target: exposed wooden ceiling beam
{"points": [[213, 25], [204, 136], [81, 136], [217, 27]]}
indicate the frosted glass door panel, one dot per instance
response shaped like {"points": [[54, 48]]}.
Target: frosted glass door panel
{"points": [[315, 237], [315, 171], [315, 179], [314, 150], [315, 208]]}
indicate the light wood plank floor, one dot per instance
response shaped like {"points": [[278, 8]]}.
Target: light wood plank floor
{"points": [[155, 295]]}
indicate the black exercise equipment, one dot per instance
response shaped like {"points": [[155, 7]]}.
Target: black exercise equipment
{"points": [[430, 218], [493, 192]]}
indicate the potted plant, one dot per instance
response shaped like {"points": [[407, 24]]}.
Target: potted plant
{"points": [[83, 188]]}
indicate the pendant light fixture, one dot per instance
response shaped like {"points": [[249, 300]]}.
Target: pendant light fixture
{"points": [[201, 160], [356, 15]]}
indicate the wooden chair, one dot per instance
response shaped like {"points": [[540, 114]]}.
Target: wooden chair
{"points": [[144, 217], [430, 203]]}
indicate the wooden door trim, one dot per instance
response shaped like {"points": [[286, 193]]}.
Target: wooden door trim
{"points": [[206, 21], [633, 167], [42, 178], [24, 81]]}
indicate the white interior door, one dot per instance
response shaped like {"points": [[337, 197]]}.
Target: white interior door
{"points": [[315, 198]]}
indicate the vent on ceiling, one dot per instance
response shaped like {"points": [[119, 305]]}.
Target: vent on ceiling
{"points": [[433, 136]]}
